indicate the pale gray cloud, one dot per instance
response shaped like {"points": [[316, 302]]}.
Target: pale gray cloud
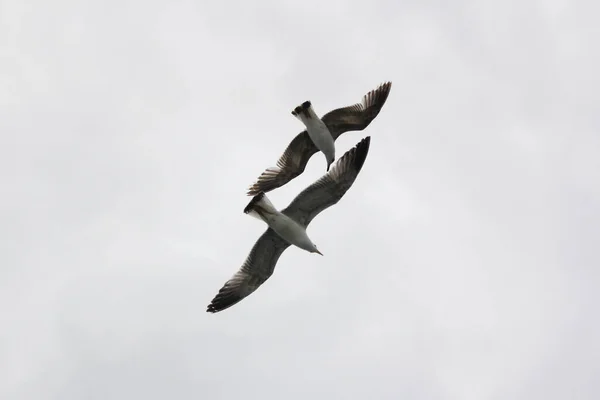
{"points": [[461, 264]]}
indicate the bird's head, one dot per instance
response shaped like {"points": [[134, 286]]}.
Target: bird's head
{"points": [[315, 250]]}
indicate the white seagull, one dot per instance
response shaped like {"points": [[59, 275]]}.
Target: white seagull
{"points": [[288, 227], [320, 135]]}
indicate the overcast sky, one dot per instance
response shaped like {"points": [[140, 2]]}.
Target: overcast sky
{"points": [[462, 264]]}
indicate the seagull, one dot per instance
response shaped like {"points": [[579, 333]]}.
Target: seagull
{"points": [[317, 130], [320, 135], [288, 227]]}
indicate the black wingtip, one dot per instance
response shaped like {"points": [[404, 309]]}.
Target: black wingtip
{"points": [[211, 308], [385, 87], [253, 201], [256, 189], [306, 104], [223, 300], [379, 96], [217, 306], [360, 152]]}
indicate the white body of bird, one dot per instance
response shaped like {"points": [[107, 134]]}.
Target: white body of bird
{"points": [[317, 131], [261, 207]]}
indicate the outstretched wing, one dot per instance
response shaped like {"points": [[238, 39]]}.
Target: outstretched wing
{"points": [[293, 161], [358, 116], [257, 268], [331, 187], [290, 165]]}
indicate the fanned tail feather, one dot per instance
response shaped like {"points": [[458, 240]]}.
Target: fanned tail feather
{"points": [[260, 205]]}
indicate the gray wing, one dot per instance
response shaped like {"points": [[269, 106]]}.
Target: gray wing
{"points": [[293, 161], [290, 165], [358, 116], [257, 268], [331, 187]]}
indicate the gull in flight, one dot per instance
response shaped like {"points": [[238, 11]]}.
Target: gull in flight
{"points": [[288, 227], [320, 135]]}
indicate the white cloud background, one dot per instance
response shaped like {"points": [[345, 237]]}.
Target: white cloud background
{"points": [[462, 264]]}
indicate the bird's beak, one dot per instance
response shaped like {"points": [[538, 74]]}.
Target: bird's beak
{"points": [[318, 252]]}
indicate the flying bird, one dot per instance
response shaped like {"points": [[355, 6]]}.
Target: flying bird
{"points": [[320, 135], [288, 227], [317, 130]]}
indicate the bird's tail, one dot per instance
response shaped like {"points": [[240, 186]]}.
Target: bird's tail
{"points": [[259, 206], [304, 111]]}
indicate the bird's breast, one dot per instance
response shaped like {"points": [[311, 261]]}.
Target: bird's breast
{"points": [[320, 136], [288, 229]]}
